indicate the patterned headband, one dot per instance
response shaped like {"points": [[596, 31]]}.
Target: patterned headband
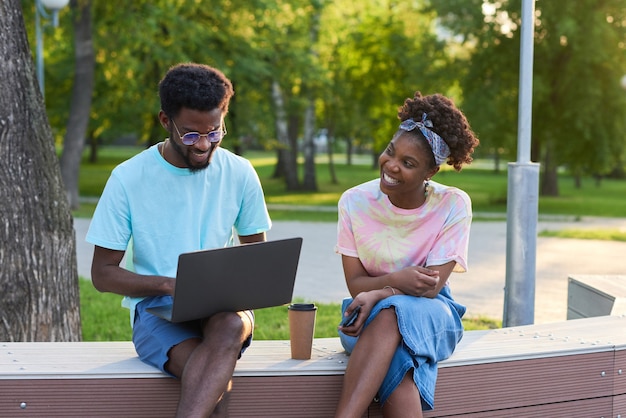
{"points": [[441, 151]]}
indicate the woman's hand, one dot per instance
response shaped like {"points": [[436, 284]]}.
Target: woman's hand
{"points": [[417, 281], [366, 300]]}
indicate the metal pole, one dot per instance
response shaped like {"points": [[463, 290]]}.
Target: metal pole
{"points": [[522, 195], [40, 13]]}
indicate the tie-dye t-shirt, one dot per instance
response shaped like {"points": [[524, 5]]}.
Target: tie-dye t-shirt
{"points": [[386, 238]]}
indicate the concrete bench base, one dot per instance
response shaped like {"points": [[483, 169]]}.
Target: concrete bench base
{"points": [[568, 369]]}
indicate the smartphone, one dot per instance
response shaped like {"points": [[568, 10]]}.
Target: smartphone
{"points": [[349, 320]]}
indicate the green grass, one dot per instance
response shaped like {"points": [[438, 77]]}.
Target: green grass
{"points": [[103, 318], [487, 189], [597, 234]]}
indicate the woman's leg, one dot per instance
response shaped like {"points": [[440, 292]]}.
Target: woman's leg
{"points": [[404, 401], [368, 364]]}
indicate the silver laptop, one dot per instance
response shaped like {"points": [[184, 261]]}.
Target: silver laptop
{"points": [[230, 279]]}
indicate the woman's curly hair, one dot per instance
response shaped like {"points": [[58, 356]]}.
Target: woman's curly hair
{"points": [[448, 122]]}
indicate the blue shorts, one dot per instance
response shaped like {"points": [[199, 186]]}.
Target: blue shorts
{"points": [[154, 337], [430, 328]]}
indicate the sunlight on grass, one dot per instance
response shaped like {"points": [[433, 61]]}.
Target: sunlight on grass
{"points": [[597, 234], [298, 215], [103, 318], [480, 323], [487, 188], [308, 199]]}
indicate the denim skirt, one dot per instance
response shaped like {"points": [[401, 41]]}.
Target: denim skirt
{"points": [[430, 328]]}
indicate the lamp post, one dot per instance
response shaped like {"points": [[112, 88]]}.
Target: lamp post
{"points": [[42, 13], [522, 195]]}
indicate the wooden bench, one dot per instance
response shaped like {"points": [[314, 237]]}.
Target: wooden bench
{"points": [[566, 369]]}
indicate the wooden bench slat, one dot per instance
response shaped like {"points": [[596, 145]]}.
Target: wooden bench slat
{"points": [[514, 384], [619, 372], [116, 359], [543, 340], [94, 398], [619, 405], [600, 407], [310, 396], [95, 359], [520, 371]]}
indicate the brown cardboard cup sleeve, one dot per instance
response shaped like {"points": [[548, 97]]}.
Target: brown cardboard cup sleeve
{"points": [[301, 329]]}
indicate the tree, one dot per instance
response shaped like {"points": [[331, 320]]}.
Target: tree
{"points": [[343, 66], [377, 54], [80, 106], [311, 86], [40, 299], [580, 56], [579, 107]]}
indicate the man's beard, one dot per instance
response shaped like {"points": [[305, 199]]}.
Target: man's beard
{"points": [[193, 168]]}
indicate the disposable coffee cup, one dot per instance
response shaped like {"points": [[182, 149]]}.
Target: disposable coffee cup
{"points": [[301, 329]]}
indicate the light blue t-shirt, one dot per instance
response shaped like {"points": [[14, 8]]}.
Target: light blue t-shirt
{"points": [[169, 210]]}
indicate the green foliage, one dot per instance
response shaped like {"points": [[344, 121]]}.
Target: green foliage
{"points": [[583, 107], [377, 56], [579, 58], [358, 61]]}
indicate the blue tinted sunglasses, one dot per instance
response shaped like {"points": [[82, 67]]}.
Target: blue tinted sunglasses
{"points": [[191, 138]]}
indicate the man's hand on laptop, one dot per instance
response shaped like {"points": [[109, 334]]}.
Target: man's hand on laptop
{"points": [[168, 285]]}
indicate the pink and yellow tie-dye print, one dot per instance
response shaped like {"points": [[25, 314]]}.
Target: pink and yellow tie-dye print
{"points": [[386, 238]]}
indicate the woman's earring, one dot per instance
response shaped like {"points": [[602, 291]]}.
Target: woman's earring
{"points": [[426, 186]]}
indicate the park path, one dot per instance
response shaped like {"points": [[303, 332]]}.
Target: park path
{"points": [[481, 289]]}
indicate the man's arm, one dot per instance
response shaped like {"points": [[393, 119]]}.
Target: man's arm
{"points": [[108, 276], [247, 239]]}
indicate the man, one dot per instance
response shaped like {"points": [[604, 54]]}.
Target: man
{"points": [[181, 195]]}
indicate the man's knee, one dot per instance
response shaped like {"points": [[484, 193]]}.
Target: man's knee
{"points": [[230, 326]]}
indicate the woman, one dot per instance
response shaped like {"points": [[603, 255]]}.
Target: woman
{"points": [[400, 237]]}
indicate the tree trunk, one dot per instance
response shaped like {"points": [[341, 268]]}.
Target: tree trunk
{"points": [[598, 180], [549, 182], [38, 273], [578, 181], [279, 168], [349, 150], [309, 182], [289, 163], [375, 156], [549, 185], [93, 150], [496, 161], [81, 100], [329, 152], [293, 131]]}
